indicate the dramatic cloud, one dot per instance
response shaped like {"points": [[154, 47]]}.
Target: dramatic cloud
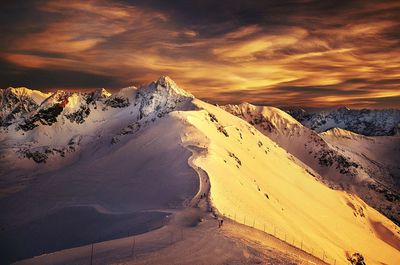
{"points": [[306, 53]]}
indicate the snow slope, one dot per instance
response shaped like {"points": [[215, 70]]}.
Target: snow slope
{"points": [[93, 170], [192, 243], [380, 152], [345, 160], [379, 157], [253, 178], [128, 154], [117, 181]]}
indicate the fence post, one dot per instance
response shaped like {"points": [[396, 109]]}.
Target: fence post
{"points": [[334, 262], [133, 246], [254, 223], [323, 255], [91, 255]]}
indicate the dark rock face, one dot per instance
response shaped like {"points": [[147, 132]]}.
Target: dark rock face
{"points": [[37, 156], [356, 259], [49, 116], [262, 122], [117, 102], [343, 164], [44, 116], [79, 115]]}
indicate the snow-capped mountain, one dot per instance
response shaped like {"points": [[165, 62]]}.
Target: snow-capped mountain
{"points": [[55, 113], [366, 122], [144, 153], [26, 109], [18, 102], [345, 160]]}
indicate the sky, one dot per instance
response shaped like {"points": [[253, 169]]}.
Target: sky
{"points": [[282, 53]]}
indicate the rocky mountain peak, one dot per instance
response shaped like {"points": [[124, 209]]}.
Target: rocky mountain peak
{"points": [[165, 83]]}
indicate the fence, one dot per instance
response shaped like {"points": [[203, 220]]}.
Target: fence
{"points": [[130, 247], [133, 246], [272, 230], [110, 251]]}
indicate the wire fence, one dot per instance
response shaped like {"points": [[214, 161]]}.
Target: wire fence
{"points": [[134, 246], [130, 247], [279, 233]]}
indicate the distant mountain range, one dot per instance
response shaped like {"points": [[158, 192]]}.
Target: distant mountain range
{"points": [[364, 121]]}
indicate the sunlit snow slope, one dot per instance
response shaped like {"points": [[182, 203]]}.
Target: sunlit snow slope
{"points": [[368, 166], [252, 177]]}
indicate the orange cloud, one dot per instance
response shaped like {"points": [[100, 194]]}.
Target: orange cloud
{"points": [[33, 61], [352, 63]]}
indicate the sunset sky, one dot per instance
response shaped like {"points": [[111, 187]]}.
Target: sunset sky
{"points": [[282, 53]]}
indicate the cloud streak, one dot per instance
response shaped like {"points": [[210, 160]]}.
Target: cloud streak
{"points": [[300, 53]]}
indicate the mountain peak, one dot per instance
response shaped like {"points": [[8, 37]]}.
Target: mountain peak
{"points": [[167, 83], [166, 80], [343, 109], [102, 92], [160, 97], [23, 92], [339, 132]]}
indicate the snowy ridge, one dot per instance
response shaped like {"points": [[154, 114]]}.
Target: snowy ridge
{"points": [[303, 143], [23, 92], [15, 103], [76, 113], [365, 122], [25, 109], [161, 96], [267, 118], [338, 132], [252, 176], [346, 160]]}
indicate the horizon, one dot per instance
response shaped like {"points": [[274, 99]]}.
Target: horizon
{"points": [[293, 53], [308, 109]]}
